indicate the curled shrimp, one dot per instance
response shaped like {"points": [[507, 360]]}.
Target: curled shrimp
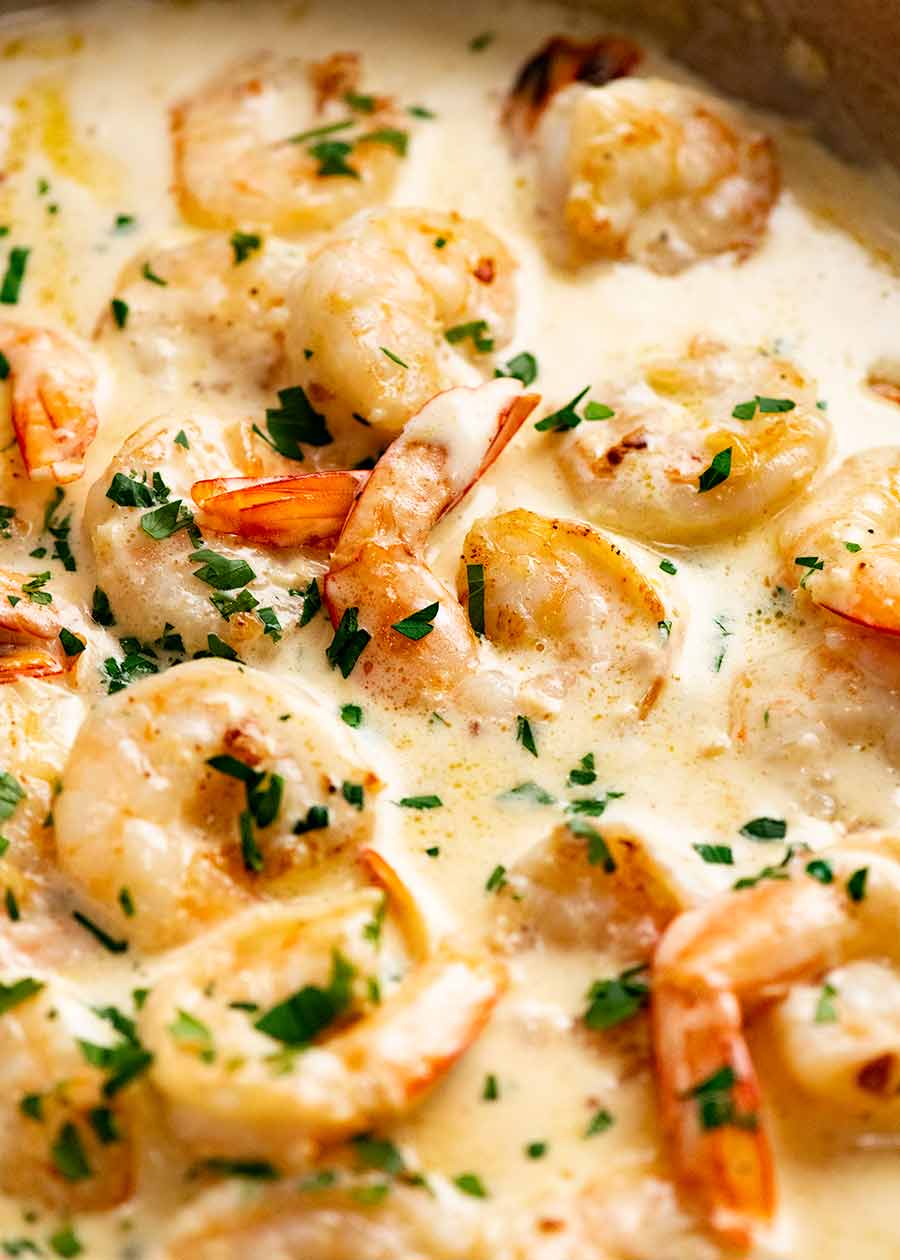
{"points": [[280, 511], [557, 64], [53, 1095], [52, 387], [377, 567], [556, 588], [271, 143], [193, 842], [643, 471], [151, 578], [313, 1037], [842, 545], [397, 306], [330, 1222], [593, 884], [714, 967], [652, 171], [30, 646]]}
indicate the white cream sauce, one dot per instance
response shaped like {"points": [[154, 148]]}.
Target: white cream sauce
{"points": [[83, 105]]}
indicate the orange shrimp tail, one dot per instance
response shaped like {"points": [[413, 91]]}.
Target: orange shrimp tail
{"points": [[28, 662], [558, 63], [308, 510]]}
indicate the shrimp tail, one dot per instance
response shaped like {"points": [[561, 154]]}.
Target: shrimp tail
{"points": [[29, 635], [557, 64], [281, 511]]}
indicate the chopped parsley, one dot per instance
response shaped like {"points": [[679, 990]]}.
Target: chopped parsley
{"points": [[149, 274], [11, 792], [108, 942], [224, 573], [12, 995], [668, 567], [715, 854], [747, 410], [530, 792], [522, 367], [301, 1017], [718, 471], [470, 1183], [490, 1091], [293, 421], [312, 602], [65, 1242], [244, 244], [820, 870], [316, 820], [475, 587], [33, 589], [361, 103], [72, 645], [715, 1103], [525, 735], [565, 418], [611, 1002], [12, 906], [193, 1035], [584, 773], [348, 644], [263, 792], [476, 330], [812, 564], [15, 274], [128, 491], [121, 674], [327, 130], [68, 1154], [599, 1122], [418, 624], [496, 880], [478, 43], [7, 515], [332, 158], [765, 829], [856, 884], [420, 111], [122, 1062], [536, 1150], [853, 547], [126, 901], [59, 531], [393, 137], [181, 439], [353, 794], [826, 1010], [119, 310], [393, 357], [352, 714], [428, 801]]}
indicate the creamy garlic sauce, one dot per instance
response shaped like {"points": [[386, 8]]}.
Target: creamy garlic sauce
{"points": [[83, 105]]}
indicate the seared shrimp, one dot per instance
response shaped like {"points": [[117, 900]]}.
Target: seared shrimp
{"points": [[151, 575], [214, 313], [842, 545], [308, 1037], [54, 1101], [652, 171], [52, 387], [29, 631], [229, 788], [558, 63], [330, 1222], [698, 447], [715, 965], [270, 142], [378, 567], [558, 590], [593, 884], [434, 291]]}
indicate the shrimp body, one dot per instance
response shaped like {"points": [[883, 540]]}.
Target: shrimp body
{"points": [[389, 286], [52, 386], [378, 564], [246, 146], [172, 829], [271, 1088], [29, 633], [716, 964], [557, 589], [848, 530], [330, 1223], [653, 171], [640, 471], [152, 580], [40, 1060]]}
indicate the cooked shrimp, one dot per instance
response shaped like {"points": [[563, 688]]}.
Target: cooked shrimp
{"points": [[330, 1222], [559, 62], [152, 580], [214, 313], [652, 171], [432, 290], [715, 965], [280, 511], [643, 471], [594, 884], [378, 566], [170, 843], [842, 545], [562, 592], [271, 143], [29, 631], [331, 1046], [52, 387], [52, 1095]]}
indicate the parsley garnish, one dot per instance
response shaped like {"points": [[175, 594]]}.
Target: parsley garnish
{"points": [[856, 884], [718, 471], [812, 564], [353, 794], [668, 567], [108, 942], [565, 418], [149, 274], [119, 312], [69, 1155], [11, 792], [599, 1122], [123, 1061], [71, 644], [821, 870], [418, 624], [491, 1090], [747, 410], [15, 274], [479, 42], [496, 880], [224, 573], [826, 1011], [130, 492], [393, 357], [332, 158], [244, 244], [192, 1034], [312, 602], [715, 1104], [316, 820], [295, 420], [352, 714], [765, 829], [584, 773], [530, 791], [470, 1183], [12, 995], [420, 111], [300, 1018], [428, 801], [475, 586], [611, 1002], [715, 854], [181, 439], [525, 735], [348, 643], [65, 1242], [477, 330], [391, 136], [523, 367], [327, 130]]}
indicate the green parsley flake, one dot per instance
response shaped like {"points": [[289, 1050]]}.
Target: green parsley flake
{"points": [[611, 1002], [149, 274], [522, 367], [718, 471], [352, 714], [767, 406], [668, 567], [301, 1017], [418, 624], [475, 588], [348, 644], [15, 274], [393, 357], [525, 735], [476, 330], [856, 884], [491, 1089], [470, 1183], [72, 645], [715, 854], [496, 880], [12, 995], [119, 310], [826, 1010], [68, 1154], [295, 420], [224, 573], [428, 801], [765, 829], [244, 244], [599, 1122], [812, 564], [11, 792]]}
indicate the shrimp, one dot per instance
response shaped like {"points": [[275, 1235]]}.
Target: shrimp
{"points": [[842, 544], [717, 964], [329, 1219], [558, 63], [63, 1140], [152, 577], [650, 471], [397, 306], [229, 788], [280, 511], [592, 884], [271, 143], [214, 313], [29, 631], [377, 567], [652, 171], [558, 588], [52, 386], [331, 1045]]}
